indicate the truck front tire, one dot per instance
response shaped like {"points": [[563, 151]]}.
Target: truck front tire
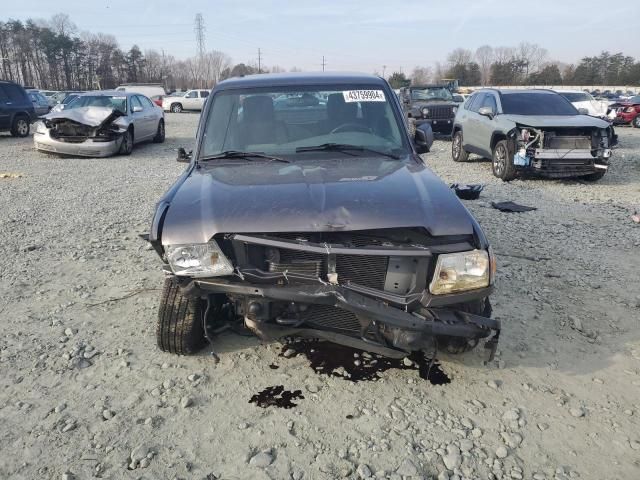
{"points": [[180, 327]]}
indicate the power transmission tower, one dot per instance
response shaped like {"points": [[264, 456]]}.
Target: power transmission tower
{"points": [[384, 68], [199, 29], [324, 63], [259, 61]]}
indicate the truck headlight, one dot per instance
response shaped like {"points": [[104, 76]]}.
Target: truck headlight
{"points": [[425, 112], [458, 272], [199, 260]]}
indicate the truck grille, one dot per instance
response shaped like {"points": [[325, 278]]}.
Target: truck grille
{"points": [[331, 318], [366, 270], [441, 112]]}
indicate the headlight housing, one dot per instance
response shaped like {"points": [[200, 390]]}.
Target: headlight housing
{"points": [[454, 110], [459, 272], [199, 260], [425, 112]]}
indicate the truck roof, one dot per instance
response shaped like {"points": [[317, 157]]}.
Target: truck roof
{"points": [[298, 78]]}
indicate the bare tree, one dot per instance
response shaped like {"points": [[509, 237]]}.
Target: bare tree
{"points": [[484, 58], [503, 54], [532, 56], [61, 24], [460, 56], [421, 75]]}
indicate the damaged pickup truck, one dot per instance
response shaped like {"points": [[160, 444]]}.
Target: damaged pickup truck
{"points": [[318, 222], [532, 132], [100, 124]]}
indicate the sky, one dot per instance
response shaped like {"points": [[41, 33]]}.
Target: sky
{"points": [[350, 34]]}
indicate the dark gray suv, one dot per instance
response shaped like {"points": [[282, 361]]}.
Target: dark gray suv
{"points": [[532, 131], [16, 109]]}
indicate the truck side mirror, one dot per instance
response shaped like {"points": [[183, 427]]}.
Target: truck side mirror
{"points": [[184, 156]]}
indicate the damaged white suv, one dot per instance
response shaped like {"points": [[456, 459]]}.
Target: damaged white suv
{"points": [[100, 124], [532, 132]]}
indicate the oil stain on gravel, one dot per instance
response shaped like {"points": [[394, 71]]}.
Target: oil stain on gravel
{"points": [[277, 396], [355, 365]]}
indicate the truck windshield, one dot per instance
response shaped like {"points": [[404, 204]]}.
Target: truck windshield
{"points": [[536, 103], [288, 121], [437, 93]]}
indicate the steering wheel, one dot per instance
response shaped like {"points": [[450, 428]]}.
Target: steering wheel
{"points": [[351, 127]]}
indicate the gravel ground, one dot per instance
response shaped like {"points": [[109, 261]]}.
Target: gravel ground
{"points": [[85, 393]]}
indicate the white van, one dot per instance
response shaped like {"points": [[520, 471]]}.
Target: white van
{"points": [[147, 89]]}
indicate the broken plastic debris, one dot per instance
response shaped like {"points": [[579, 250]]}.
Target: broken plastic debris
{"points": [[511, 207], [467, 192], [636, 217], [11, 175]]}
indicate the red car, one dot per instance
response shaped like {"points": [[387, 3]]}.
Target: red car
{"points": [[628, 112], [157, 99]]}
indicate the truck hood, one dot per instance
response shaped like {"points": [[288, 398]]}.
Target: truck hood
{"points": [[550, 121], [355, 193]]}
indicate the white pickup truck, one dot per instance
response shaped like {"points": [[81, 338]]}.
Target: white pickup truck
{"points": [[189, 100]]}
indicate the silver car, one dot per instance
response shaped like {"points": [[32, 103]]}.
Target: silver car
{"points": [[101, 124]]}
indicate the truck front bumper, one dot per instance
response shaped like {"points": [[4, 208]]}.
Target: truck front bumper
{"points": [[440, 125], [389, 324]]}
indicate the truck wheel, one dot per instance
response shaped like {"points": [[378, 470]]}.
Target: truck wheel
{"points": [[458, 153], [179, 329], [176, 108], [636, 122], [502, 162], [20, 127], [160, 133], [595, 176]]}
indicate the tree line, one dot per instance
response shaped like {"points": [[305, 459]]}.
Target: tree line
{"points": [[54, 55], [526, 64]]}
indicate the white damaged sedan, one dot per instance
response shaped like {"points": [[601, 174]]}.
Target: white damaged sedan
{"points": [[100, 124]]}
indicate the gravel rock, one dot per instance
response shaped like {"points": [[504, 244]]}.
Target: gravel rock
{"points": [[407, 468], [140, 452], [363, 471], [261, 460], [577, 412], [186, 402], [502, 452], [452, 459], [495, 384]]}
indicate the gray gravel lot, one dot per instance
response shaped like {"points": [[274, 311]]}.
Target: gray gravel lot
{"points": [[85, 393]]}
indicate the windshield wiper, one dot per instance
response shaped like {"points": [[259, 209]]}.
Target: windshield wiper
{"points": [[246, 155], [344, 147]]}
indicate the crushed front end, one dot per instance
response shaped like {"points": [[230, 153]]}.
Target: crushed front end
{"points": [[559, 152], [69, 133], [389, 291]]}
